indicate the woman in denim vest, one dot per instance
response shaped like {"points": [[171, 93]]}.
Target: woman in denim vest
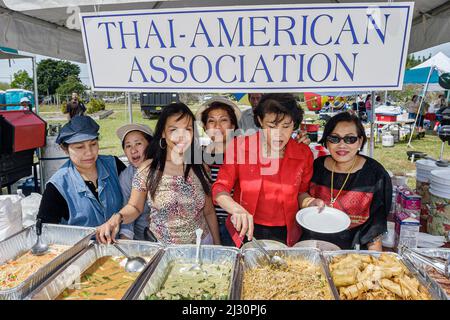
{"points": [[85, 191]]}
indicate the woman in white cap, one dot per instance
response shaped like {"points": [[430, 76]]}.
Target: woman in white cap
{"points": [[85, 191], [219, 117], [135, 140]]}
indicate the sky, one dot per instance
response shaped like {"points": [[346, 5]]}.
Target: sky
{"points": [[6, 72]]}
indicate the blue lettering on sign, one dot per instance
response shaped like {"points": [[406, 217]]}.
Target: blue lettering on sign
{"points": [[313, 29], [108, 36], [219, 60], [191, 68], [155, 33], [253, 31], [377, 28], [135, 34], [350, 28], [237, 27], [177, 68], [159, 69], [278, 30], [204, 33], [310, 62], [139, 69], [264, 68]]}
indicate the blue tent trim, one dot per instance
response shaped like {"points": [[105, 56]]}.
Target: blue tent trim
{"points": [[420, 76]]}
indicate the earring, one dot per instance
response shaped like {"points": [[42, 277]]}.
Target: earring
{"points": [[160, 144]]}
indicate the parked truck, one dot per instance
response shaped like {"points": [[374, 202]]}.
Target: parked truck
{"points": [[153, 102]]}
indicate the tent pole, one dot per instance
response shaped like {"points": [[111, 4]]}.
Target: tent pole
{"points": [[372, 125], [36, 103], [425, 89], [130, 108]]}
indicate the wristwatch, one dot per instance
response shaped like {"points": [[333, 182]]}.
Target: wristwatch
{"points": [[121, 216]]}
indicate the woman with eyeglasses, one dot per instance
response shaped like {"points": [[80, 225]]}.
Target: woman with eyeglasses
{"points": [[353, 183]]}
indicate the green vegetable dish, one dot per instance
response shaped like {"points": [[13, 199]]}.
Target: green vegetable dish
{"points": [[212, 282]]}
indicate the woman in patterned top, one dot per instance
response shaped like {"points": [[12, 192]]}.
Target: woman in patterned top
{"points": [[219, 117], [176, 187]]}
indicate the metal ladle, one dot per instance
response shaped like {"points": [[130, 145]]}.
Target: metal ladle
{"points": [[40, 247], [134, 264], [273, 259]]}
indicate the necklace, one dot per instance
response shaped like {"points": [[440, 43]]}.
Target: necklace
{"points": [[333, 200]]}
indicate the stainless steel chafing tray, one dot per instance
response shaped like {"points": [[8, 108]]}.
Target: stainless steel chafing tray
{"points": [[435, 291], [253, 258], [72, 271], [422, 265], [77, 238], [155, 277]]}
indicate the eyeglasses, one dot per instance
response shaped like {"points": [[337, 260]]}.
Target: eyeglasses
{"points": [[347, 139]]}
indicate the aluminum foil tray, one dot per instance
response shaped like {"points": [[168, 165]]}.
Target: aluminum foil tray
{"points": [[77, 238], [435, 291], [253, 258], [72, 271], [155, 277]]}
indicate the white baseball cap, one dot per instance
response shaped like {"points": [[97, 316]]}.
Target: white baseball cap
{"points": [[24, 99], [124, 130]]}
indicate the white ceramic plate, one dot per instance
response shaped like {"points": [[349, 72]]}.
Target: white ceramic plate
{"points": [[330, 220]]}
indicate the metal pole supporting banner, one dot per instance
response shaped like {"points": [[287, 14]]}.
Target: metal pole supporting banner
{"points": [[372, 125], [36, 103], [425, 89], [130, 108]]}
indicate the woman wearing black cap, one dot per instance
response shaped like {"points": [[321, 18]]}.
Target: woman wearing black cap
{"points": [[85, 191]]}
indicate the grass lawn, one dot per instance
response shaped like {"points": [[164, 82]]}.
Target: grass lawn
{"points": [[393, 159]]}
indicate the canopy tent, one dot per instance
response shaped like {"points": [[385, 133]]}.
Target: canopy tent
{"points": [[420, 76], [440, 61], [50, 27]]}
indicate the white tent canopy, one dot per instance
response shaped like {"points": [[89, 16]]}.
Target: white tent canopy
{"points": [[440, 61], [49, 27]]}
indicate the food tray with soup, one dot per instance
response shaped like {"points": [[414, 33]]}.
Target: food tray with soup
{"points": [[21, 272], [176, 278], [304, 278], [427, 271], [371, 275], [98, 273]]}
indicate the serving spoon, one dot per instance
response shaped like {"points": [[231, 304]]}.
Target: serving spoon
{"points": [[40, 247], [273, 259], [134, 264]]}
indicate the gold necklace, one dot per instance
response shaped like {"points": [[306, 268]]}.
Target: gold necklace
{"points": [[333, 200]]}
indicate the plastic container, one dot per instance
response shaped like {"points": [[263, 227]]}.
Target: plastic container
{"points": [[388, 140], [2, 97], [441, 176]]}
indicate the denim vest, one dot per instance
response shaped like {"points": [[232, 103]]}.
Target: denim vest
{"points": [[84, 209]]}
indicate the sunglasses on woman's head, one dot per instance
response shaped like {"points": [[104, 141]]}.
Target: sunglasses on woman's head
{"points": [[347, 139]]}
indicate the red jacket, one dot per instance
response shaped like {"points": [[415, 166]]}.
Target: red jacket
{"points": [[245, 177]]}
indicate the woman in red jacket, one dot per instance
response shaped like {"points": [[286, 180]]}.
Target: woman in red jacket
{"points": [[270, 174]]}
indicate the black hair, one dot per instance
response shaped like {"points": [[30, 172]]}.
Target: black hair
{"points": [[343, 117], [222, 106], [281, 104], [369, 96], [158, 153], [147, 137]]}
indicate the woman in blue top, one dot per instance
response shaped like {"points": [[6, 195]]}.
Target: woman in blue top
{"points": [[85, 191]]}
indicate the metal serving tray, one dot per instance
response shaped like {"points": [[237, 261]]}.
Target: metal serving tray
{"points": [[72, 271], [253, 258], [435, 291], [155, 277], [421, 266], [77, 238]]}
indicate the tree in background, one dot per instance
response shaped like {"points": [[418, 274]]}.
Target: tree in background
{"points": [[52, 73], [72, 84], [22, 81], [412, 61]]}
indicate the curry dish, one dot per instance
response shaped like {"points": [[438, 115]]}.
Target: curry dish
{"points": [[211, 282], [16, 271], [365, 277], [106, 279], [301, 280]]}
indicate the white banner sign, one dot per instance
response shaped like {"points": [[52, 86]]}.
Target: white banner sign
{"points": [[289, 48]]}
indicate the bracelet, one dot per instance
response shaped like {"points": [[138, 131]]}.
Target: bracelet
{"points": [[307, 201], [121, 217]]}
